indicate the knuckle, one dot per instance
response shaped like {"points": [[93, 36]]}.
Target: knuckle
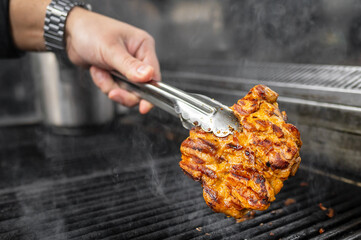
{"points": [[147, 37], [104, 88], [151, 40]]}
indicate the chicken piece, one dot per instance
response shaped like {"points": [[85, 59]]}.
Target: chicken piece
{"points": [[245, 170]]}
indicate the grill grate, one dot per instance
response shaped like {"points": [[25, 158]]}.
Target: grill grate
{"points": [[344, 77], [158, 201], [146, 198], [330, 84]]}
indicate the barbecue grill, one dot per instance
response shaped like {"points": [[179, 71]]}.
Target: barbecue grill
{"points": [[109, 186]]}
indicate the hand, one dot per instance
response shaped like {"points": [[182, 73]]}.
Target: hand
{"points": [[94, 41], [102, 44]]}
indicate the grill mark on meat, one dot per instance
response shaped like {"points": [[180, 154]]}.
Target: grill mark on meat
{"points": [[240, 177], [240, 110], [261, 91], [200, 168], [200, 145], [208, 143], [239, 172], [241, 103], [248, 126], [235, 147], [266, 93], [263, 123], [250, 155], [254, 198], [247, 107], [277, 130], [220, 159], [197, 159], [266, 143], [289, 153], [272, 113], [246, 170], [211, 193], [197, 179], [212, 205], [206, 171], [237, 205], [293, 130], [210, 173], [277, 162]]}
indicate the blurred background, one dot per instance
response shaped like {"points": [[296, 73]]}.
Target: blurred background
{"points": [[304, 31]]}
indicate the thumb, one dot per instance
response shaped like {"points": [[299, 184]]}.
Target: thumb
{"points": [[131, 67]]}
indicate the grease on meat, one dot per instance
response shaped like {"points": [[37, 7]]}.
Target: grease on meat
{"points": [[245, 170]]}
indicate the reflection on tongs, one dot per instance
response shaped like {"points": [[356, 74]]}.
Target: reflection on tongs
{"points": [[192, 109]]}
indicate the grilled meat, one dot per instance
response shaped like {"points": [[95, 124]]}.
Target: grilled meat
{"points": [[245, 170]]}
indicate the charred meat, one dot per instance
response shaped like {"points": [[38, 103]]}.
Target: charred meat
{"points": [[245, 170]]}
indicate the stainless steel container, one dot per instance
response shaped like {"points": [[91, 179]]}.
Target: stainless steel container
{"points": [[69, 99]]}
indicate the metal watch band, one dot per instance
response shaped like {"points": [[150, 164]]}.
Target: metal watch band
{"points": [[55, 20]]}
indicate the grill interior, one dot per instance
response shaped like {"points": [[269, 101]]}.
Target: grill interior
{"points": [[339, 85], [123, 181], [81, 188], [330, 76]]}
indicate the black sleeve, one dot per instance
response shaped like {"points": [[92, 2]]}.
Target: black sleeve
{"points": [[7, 48]]}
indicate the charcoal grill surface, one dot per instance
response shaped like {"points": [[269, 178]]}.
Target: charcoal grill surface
{"points": [[103, 187]]}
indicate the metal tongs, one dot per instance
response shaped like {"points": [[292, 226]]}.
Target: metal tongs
{"points": [[192, 109]]}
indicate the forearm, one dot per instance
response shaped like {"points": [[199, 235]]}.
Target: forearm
{"points": [[27, 22]]}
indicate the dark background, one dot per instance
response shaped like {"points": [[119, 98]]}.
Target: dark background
{"points": [[303, 31]]}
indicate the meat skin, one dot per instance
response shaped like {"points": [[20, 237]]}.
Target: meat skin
{"points": [[245, 170]]}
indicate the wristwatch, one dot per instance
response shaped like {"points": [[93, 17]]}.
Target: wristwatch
{"points": [[55, 20]]}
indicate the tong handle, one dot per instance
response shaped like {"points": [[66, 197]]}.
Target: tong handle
{"points": [[162, 95]]}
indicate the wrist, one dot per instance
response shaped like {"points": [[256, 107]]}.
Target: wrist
{"points": [[74, 21]]}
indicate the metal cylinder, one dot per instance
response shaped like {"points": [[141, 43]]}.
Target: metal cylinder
{"points": [[68, 96]]}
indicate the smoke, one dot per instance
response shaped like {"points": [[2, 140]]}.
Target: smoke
{"points": [[35, 218]]}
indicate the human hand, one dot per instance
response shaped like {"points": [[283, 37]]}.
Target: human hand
{"points": [[104, 44]]}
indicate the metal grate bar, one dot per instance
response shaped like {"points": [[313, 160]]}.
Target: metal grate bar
{"points": [[314, 216], [124, 217], [341, 217], [83, 196], [76, 187], [348, 79], [83, 209], [298, 195], [178, 226], [345, 228], [87, 201], [75, 196], [201, 200], [268, 217], [181, 221], [353, 236], [158, 220]]}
